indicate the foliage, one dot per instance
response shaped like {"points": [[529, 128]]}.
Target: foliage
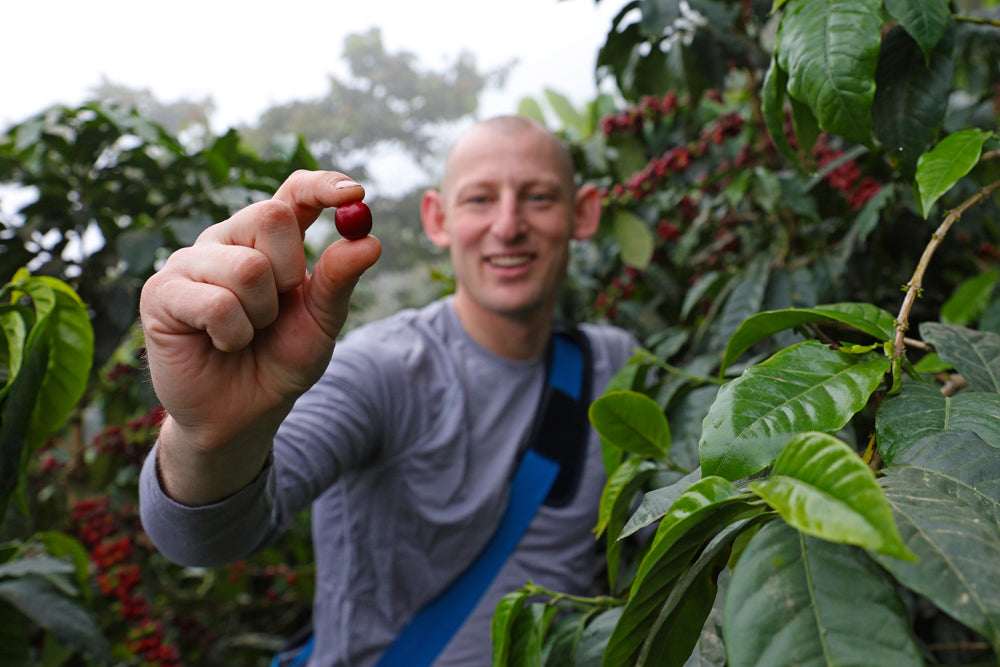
{"points": [[48, 345], [110, 193], [816, 452], [80, 583]]}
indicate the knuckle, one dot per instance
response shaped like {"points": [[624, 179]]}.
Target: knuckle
{"points": [[250, 269], [220, 306]]}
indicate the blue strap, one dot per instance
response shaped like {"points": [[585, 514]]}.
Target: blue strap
{"points": [[429, 631], [296, 657], [566, 373]]}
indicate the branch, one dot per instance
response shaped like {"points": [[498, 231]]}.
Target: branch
{"points": [[914, 287], [978, 20]]}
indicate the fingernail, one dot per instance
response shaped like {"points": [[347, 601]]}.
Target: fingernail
{"points": [[340, 185]]}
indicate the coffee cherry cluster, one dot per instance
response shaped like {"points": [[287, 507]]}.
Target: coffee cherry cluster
{"points": [[621, 288], [108, 536], [633, 118], [676, 160], [845, 178]]}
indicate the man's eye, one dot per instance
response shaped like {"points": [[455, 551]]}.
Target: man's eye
{"points": [[478, 200], [541, 197]]}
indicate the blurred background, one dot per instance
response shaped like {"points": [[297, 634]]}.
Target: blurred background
{"points": [[733, 185]]}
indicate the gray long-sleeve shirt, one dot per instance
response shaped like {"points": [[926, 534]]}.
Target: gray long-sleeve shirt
{"points": [[405, 449]]}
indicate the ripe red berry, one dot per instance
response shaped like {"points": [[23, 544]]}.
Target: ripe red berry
{"points": [[354, 220]]}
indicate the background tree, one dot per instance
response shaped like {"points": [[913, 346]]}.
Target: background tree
{"points": [[178, 117]]}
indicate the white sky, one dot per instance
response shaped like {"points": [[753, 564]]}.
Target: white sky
{"points": [[248, 55]]}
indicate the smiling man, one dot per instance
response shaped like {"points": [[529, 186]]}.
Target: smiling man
{"points": [[507, 211], [404, 439]]}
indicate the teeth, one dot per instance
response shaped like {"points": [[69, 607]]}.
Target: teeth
{"points": [[510, 260]]}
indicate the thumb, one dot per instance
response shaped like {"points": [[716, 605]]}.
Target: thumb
{"points": [[328, 292]]}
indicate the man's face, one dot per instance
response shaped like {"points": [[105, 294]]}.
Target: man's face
{"points": [[508, 203]]}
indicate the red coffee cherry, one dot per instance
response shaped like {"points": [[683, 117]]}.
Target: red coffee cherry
{"points": [[354, 220]]}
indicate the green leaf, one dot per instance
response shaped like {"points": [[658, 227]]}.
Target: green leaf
{"points": [[70, 623], [940, 169], [14, 326], [955, 535], [820, 486], [62, 325], [529, 634], [656, 503], [830, 51], [616, 500], [970, 299], [711, 282], [931, 363], [746, 299], [974, 354], [628, 155], [772, 105], [64, 546], [920, 409], [799, 600], [39, 565], [594, 638], [679, 627], [699, 513], [504, 617], [560, 645], [961, 455], [634, 237], [567, 113], [529, 107], [806, 387], [766, 189], [677, 630], [632, 421], [925, 20], [861, 316], [15, 418], [806, 125], [911, 98]]}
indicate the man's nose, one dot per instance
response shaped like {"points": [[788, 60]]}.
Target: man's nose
{"points": [[508, 223]]}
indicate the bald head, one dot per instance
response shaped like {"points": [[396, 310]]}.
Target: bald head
{"points": [[511, 125]]}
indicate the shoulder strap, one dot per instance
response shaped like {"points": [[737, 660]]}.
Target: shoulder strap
{"points": [[548, 473]]}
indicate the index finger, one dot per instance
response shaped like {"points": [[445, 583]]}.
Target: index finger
{"points": [[309, 192]]}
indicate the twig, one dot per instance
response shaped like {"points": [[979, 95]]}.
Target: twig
{"points": [[914, 287], [919, 344], [978, 20]]}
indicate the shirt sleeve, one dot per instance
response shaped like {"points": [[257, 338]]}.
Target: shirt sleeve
{"points": [[208, 535], [334, 427]]}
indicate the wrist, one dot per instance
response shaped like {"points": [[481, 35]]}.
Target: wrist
{"points": [[195, 471]]}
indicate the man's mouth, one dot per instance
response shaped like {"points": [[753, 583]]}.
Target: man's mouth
{"points": [[509, 261]]}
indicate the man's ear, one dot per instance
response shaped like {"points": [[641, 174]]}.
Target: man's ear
{"points": [[587, 212], [432, 215]]}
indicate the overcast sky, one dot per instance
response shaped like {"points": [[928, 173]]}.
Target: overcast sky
{"points": [[251, 54]]}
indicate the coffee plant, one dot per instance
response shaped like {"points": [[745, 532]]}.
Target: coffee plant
{"points": [[801, 226], [106, 195]]}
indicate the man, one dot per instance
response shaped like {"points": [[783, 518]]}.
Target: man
{"points": [[405, 438]]}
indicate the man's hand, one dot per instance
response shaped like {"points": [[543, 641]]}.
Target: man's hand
{"points": [[236, 331]]}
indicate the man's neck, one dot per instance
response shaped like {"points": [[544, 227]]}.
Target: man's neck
{"points": [[522, 338]]}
